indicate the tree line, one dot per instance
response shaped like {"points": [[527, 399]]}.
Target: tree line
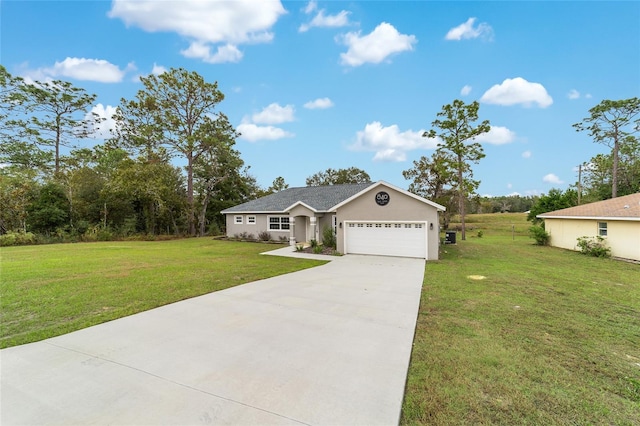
{"points": [[53, 185]]}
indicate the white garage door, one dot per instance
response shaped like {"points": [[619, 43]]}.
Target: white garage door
{"points": [[405, 239]]}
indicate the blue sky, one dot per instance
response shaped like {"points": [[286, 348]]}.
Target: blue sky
{"points": [[313, 85]]}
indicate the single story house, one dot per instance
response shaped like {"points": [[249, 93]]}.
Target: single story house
{"points": [[369, 218], [617, 220]]}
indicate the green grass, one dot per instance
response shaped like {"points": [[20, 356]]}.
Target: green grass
{"points": [[50, 290], [548, 337]]}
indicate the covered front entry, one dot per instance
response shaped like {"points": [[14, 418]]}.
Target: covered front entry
{"points": [[404, 239]]}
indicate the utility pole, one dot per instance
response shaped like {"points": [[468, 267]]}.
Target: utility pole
{"points": [[579, 183]]}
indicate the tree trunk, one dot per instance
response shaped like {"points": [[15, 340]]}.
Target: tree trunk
{"points": [[191, 222], [614, 179], [203, 213], [151, 218], [461, 199], [57, 145]]}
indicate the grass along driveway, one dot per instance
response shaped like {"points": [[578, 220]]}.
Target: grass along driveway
{"points": [[50, 290], [548, 337]]}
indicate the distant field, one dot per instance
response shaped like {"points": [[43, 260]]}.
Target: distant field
{"points": [[49, 290], [549, 336], [495, 224]]}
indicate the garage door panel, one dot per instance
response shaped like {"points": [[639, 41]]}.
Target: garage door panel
{"points": [[388, 239]]}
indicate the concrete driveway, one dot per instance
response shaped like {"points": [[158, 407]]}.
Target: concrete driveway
{"points": [[324, 346]]}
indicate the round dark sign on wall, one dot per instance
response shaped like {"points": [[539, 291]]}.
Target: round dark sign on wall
{"points": [[382, 198]]}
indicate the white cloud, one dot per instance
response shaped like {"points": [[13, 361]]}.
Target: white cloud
{"points": [[375, 47], [205, 23], [158, 69], [102, 130], [467, 31], [517, 91], [81, 69], [310, 7], [552, 178], [465, 90], [574, 94], [320, 103], [224, 53], [498, 135], [526, 154], [271, 114], [327, 21], [389, 143], [274, 114], [252, 132]]}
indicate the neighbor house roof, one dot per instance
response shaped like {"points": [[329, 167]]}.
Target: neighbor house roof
{"points": [[619, 208], [318, 198]]}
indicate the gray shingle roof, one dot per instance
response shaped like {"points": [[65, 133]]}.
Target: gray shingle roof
{"points": [[320, 198]]}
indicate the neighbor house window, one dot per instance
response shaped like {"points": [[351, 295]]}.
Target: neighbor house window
{"points": [[237, 220], [251, 220], [279, 223], [602, 229]]}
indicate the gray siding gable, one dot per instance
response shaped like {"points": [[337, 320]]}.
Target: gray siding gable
{"points": [[320, 198]]}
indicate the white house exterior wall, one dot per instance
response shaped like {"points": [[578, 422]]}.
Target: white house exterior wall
{"points": [[623, 237]]}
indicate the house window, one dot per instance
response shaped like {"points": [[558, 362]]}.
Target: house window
{"points": [[237, 220], [279, 223], [602, 229], [251, 220]]}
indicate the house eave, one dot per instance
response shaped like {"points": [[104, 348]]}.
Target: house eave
{"points": [[604, 218], [253, 212], [388, 185]]}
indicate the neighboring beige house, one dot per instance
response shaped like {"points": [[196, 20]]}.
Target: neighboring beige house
{"points": [[616, 220], [372, 218]]}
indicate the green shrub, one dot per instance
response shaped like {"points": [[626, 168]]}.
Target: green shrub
{"points": [[314, 243], [214, 229], [17, 239], [594, 246], [264, 236], [317, 249], [480, 234], [299, 247], [104, 234], [329, 237], [541, 236]]}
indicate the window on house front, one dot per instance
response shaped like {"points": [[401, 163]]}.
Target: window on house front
{"points": [[602, 229], [237, 220], [251, 220], [279, 223]]}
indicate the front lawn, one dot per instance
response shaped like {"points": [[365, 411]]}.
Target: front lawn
{"points": [[50, 290], [549, 336]]}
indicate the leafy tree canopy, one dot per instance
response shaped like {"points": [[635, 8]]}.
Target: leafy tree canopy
{"points": [[554, 200], [338, 177], [613, 123], [458, 148]]}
